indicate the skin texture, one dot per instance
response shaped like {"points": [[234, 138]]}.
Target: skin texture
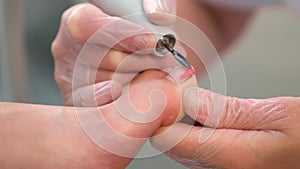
{"points": [[242, 133], [80, 23], [30, 137], [88, 32], [246, 133]]}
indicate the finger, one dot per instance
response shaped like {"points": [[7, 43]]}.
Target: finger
{"points": [[88, 23], [198, 147], [101, 57], [85, 76], [64, 44], [129, 120], [215, 110], [182, 77], [128, 62], [160, 12], [121, 78], [150, 82], [116, 122], [96, 94]]}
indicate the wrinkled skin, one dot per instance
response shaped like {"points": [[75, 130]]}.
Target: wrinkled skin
{"points": [[235, 133], [246, 133], [84, 35], [81, 23]]}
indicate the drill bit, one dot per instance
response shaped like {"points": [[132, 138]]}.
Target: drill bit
{"points": [[178, 56]]}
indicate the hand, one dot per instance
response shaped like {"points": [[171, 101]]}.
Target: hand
{"points": [[86, 33], [39, 136], [222, 26], [248, 133], [79, 42]]}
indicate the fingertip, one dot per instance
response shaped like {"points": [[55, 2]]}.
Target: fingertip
{"points": [[72, 21], [191, 102], [84, 20], [160, 12], [191, 92], [143, 43], [106, 92], [146, 41], [203, 105], [160, 18], [181, 75], [116, 90]]}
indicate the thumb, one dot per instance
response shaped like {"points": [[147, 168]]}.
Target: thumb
{"points": [[200, 147], [218, 111], [160, 12], [88, 23], [96, 94]]}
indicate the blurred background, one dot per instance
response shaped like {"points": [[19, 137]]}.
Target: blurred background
{"points": [[264, 63]]}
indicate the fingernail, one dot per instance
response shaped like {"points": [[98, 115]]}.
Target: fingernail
{"points": [[161, 12], [181, 74], [162, 6], [143, 42]]}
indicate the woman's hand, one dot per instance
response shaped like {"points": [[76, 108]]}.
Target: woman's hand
{"points": [[237, 133], [97, 52], [101, 47]]}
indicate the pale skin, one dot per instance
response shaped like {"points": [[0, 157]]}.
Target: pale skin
{"points": [[251, 133], [79, 25], [264, 133], [40, 136], [242, 134], [87, 155], [80, 22]]}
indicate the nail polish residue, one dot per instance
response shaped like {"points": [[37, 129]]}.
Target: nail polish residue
{"points": [[188, 73]]}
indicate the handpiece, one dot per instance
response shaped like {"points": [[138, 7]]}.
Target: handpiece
{"points": [[178, 56], [132, 10]]}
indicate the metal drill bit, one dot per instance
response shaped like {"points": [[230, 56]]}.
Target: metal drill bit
{"points": [[178, 56]]}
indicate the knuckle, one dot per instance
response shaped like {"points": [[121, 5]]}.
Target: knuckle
{"points": [[59, 50], [58, 77], [56, 49], [62, 78]]}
